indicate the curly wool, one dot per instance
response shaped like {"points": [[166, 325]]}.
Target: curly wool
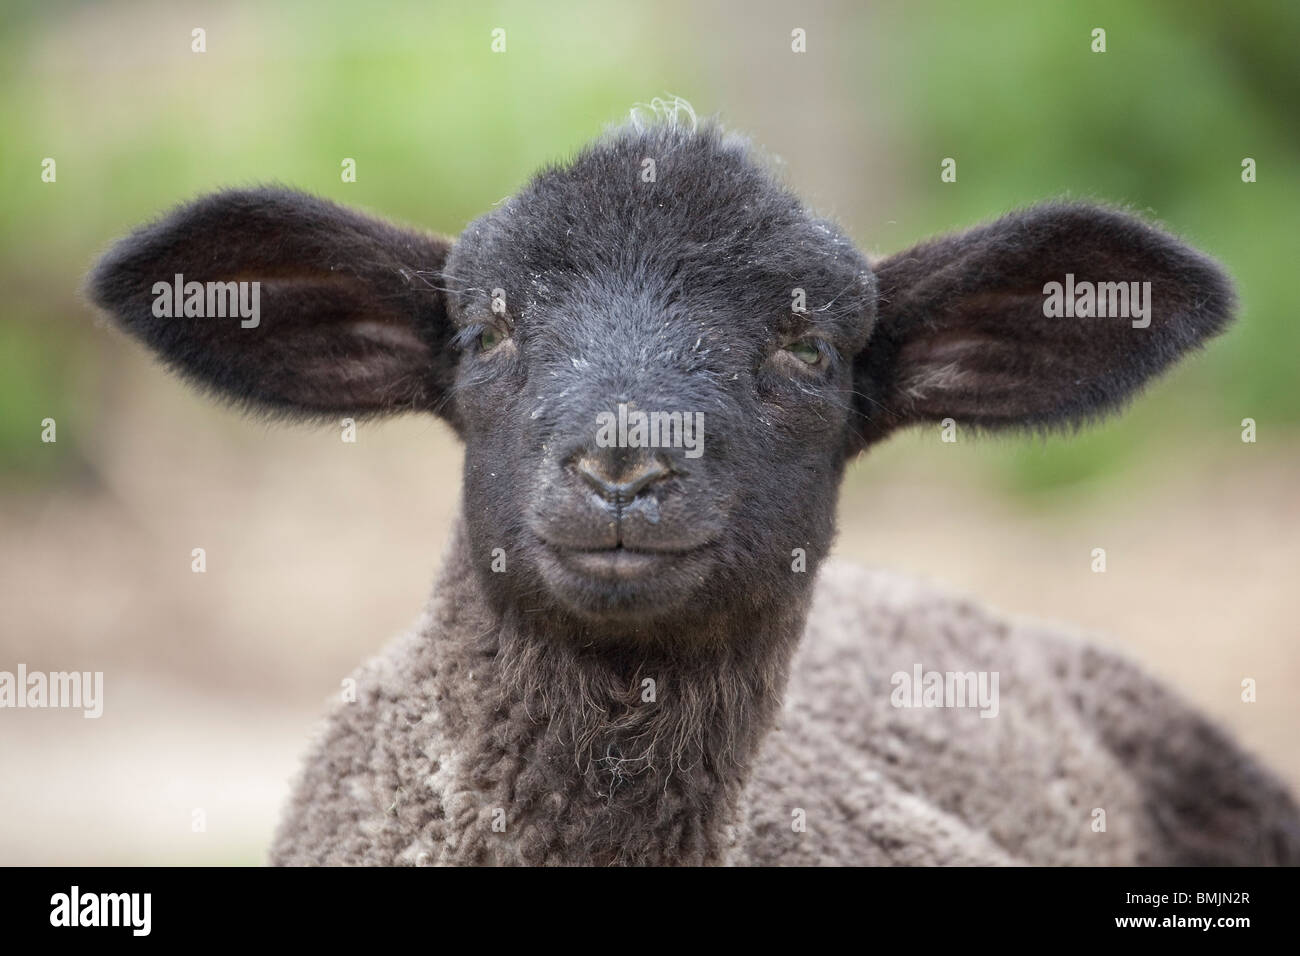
{"points": [[470, 744]]}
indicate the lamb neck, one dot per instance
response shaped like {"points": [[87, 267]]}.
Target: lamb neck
{"points": [[573, 749]]}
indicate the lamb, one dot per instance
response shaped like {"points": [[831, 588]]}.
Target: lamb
{"points": [[633, 656]]}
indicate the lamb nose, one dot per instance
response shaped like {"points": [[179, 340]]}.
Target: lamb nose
{"points": [[620, 483]]}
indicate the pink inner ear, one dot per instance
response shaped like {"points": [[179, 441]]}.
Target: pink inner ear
{"points": [[943, 366], [930, 380], [392, 335], [964, 372], [951, 345]]}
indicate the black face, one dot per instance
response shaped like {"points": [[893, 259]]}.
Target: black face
{"points": [[662, 272], [706, 295]]}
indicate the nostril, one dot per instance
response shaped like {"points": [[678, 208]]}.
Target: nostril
{"points": [[591, 473], [642, 476], [620, 483]]}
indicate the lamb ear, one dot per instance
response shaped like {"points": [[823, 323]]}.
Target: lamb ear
{"points": [[341, 312], [970, 327]]}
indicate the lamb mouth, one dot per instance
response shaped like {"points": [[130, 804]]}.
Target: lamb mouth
{"points": [[620, 562]]}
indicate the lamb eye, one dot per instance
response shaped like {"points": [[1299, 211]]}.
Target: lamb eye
{"points": [[805, 351], [490, 339]]}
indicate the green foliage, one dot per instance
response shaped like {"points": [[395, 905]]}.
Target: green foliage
{"points": [[1160, 122], [441, 128], [35, 375]]}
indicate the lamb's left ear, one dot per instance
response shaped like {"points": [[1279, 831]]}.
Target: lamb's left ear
{"points": [[1050, 316], [284, 302]]}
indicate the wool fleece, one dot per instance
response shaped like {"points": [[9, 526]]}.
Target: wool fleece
{"points": [[454, 753]]}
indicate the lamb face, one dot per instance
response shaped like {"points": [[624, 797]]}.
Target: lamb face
{"points": [[656, 379], [662, 273]]}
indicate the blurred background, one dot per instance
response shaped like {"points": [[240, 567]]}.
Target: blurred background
{"points": [[318, 551]]}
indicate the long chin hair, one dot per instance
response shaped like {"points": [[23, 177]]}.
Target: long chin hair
{"points": [[621, 749], [649, 746]]}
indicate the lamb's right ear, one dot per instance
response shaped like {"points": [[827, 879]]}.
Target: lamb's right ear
{"points": [[1046, 318], [288, 303]]}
